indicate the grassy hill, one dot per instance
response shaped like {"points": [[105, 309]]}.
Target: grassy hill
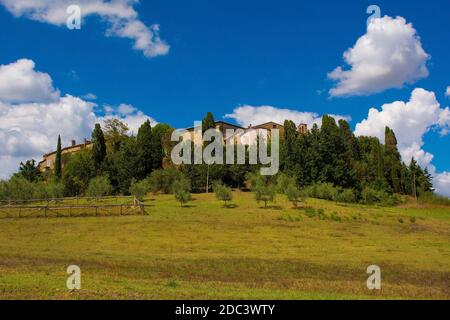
{"points": [[205, 251]]}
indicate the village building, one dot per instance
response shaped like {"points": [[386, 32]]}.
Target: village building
{"points": [[48, 161]]}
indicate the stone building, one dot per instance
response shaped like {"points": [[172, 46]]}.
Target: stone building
{"points": [[48, 161]]}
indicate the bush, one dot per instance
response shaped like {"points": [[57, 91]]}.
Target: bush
{"points": [[223, 193], [293, 194], [139, 189], [372, 196], [99, 187], [346, 196], [17, 188], [284, 181], [162, 180], [54, 190], [325, 191], [265, 191], [182, 191]]}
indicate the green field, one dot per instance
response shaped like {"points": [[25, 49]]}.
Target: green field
{"points": [[206, 251]]}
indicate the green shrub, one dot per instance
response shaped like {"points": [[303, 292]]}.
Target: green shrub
{"points": [[182, 191], [265, 191], [55, 190], [293, 194], [335, 217], [223, 193], [346, 196], [99, 187], [325, 191], [139, 189], [162, 180], [284, 181], [372, 196], [413, 219], [17, 188], [310, 212]]}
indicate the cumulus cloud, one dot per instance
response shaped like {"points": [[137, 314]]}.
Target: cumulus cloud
{"points": [[447, 93], [120, 15], [389, 55], [20, 83], [247, 115], [130, 115], [411, 121], [442, 183], [90, 96], [30, 122]]}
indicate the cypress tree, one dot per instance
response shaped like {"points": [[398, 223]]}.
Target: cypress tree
{"points": [[58, 165], [208, 122], [392, 160], [332, 149], [145, 146], [98, 147]]}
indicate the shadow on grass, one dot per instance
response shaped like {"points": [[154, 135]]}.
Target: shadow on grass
{"points": [[272, 207], [230, 206], [187, 206]]}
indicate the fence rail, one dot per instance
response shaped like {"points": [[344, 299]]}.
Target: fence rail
{"points": [[53, 209]]}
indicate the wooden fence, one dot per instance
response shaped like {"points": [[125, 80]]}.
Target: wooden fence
{"points": [[71, 207]]}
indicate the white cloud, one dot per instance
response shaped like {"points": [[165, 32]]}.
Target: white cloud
{"points": [[126, 109], [20, 83], [411, 121], [130, 115], [442, 183], [389, 55], [447, 93], [90, 96], [120, 14], [30, 127], [247, 115]]}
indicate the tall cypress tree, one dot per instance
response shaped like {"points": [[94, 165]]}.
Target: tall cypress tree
{"points": [[392, 160], [313, 157], [208, 122], [288, 154], [332, 150], [58, 165], [98, 147], [350, 156], [145, 146]]}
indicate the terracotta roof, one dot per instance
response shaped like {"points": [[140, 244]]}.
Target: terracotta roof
{"points": [[68, 148]]}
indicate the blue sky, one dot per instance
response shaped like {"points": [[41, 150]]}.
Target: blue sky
{"points": [[224, 54]]}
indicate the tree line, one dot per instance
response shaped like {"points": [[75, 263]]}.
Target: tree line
{"points": [[329, 156]]}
